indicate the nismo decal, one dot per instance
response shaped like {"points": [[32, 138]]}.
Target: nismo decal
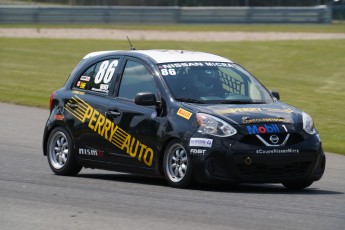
{"points": [[107, 129]]}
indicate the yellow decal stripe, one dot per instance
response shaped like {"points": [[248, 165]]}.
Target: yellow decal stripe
{"points": [[74, 113], [107, 129], [119, 138]]}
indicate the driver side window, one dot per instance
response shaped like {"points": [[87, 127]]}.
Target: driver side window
{"points": [[135, 79]]}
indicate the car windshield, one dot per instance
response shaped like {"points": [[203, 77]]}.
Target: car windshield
{"points": [[213, 82]]}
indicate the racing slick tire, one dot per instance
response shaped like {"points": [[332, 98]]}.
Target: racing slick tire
{"points": [[297, 185], [177, 165], [60, 153]]}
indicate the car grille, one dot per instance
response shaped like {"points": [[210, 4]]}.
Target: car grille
{"points": [[294, 138], [273, 171]]}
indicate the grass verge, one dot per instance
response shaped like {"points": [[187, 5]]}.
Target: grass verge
{"points": [[308, 74]]}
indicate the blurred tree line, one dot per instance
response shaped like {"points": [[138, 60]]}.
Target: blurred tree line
{"points": [[188, 2]]}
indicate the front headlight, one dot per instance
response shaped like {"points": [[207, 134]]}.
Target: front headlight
{"points": [[214, 126], [308, 124]]}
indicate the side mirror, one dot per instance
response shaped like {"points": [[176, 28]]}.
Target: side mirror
{"points": [[275, 94], [145, 98]]}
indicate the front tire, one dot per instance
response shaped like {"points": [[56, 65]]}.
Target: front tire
{"points": [[297, 185], [60, 153], [177, 165]]}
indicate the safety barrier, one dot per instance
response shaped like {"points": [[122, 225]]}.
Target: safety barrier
{"points": [[161, 15]]}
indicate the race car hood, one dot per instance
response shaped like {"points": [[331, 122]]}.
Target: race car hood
{"points": [[276, 112]]}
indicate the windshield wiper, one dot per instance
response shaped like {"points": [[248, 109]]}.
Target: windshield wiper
{"points": [[191, 100], [241, 102]]}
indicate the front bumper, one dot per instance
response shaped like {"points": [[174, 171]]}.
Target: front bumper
{"points": [[233, 161]]}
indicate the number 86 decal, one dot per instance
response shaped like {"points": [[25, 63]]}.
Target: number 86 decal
{"points": [[106, 72], [166, 72]]}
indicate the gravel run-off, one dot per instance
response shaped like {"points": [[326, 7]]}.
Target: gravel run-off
{"points": [[89, 33]]}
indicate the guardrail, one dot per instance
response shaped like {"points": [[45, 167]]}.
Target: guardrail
{"points": [[169, 15]]}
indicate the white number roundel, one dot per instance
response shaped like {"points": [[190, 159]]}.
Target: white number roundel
{"points": [[106, 72]]}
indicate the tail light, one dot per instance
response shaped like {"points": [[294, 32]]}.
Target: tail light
{"points": [[51, 101]]}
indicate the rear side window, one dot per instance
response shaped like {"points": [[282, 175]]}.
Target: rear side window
{"points": [[135, 79], [98, 77], [84, 79]]}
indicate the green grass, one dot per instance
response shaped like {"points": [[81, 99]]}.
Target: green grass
{"points": [[308, 74], [338, 27]]}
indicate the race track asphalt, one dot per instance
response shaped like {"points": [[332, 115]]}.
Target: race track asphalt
{"points": [[32, 197]]}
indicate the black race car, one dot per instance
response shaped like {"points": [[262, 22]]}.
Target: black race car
{"points": [[188, 116]]}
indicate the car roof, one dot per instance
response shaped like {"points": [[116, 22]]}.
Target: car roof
{"points": [[165, 56]]}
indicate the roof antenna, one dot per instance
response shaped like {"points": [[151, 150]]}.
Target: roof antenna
{"points": [[132, 48]]}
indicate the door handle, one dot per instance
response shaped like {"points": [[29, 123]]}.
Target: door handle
{"points": [[114, 113]]}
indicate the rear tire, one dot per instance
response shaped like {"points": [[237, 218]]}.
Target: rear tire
{"points": [[297, 185], [60, 153], [177, 165]]}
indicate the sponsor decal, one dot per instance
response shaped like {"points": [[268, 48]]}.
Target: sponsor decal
{"points": [[278, 110], [90, 152], [108, 130], [198, 152], [179, 65], [262, 129], [82, 85], [253, 110], [247, 120], [200, 142], [191, 64], [78, 92], [219, 64], [239, 110], [169, 69], [99, 90], [85, 78], [104, 87], [277, 151], [184, 113]]}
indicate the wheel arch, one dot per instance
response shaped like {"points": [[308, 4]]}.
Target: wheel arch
{"points": [[162, 152], [52, 126]]}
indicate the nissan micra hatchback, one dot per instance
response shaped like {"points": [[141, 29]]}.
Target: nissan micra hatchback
{"points": [[186, 116]]}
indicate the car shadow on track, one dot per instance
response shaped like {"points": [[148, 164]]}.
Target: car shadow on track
{"points": [[225, 188], [265, 189], [125, 177]]}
